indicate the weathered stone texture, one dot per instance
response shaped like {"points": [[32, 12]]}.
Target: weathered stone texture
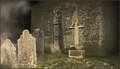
{"points": [[68, 34], [8, 54], [76, 53], [48, 44], [90, 15], [99, 23], [27, 50], [39, 35]]}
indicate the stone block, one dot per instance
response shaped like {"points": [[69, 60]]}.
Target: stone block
{"points": [[76, 53]]}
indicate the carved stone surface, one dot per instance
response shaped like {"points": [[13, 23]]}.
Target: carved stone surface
{"points": [[76, 53], [90, 14], [55, 48], [57, 30], [39, 35], [27, 50], [76, 34], [8, 54]]}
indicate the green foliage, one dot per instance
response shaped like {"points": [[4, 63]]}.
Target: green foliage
{"points": [[62, 61], [72, 48]]}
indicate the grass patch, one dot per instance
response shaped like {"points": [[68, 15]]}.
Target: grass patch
{"points": [[62, 61]]}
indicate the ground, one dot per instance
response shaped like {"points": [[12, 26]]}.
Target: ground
{"points": [[62, 61]]}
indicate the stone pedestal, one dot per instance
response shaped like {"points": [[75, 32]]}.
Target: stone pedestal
{"points": [[76, 53]]}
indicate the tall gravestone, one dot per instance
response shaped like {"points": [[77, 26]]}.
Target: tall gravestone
{"points": [[57, 30], [8, 54], [27, 50], [39, 35]]}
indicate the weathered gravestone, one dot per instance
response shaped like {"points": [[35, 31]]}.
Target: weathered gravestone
{"points": [[39, 35], [57, 30], [8, 54], [27, 50]]}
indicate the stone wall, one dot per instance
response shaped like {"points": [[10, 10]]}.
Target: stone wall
{"points": [[42, 18], [90, 15], [98, 29]]}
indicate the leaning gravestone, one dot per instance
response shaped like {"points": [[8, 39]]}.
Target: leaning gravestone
{"points": [[39, 35], [27, 50], [8, 54]]}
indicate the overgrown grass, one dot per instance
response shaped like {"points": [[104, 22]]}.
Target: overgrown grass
{"points": [[112, 60], [62, 61]]}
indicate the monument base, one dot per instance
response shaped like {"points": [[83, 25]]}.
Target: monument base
{"points": [[76, 53]]}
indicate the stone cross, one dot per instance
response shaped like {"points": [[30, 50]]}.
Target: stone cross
{"points": [[8, 54], [27, 50], [79, 53], [75, 22], [76, 33], [75, 25]]}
